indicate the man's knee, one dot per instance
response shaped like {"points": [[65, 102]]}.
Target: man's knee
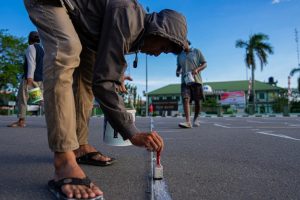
{"points": [[70, 52], [186, 100]]}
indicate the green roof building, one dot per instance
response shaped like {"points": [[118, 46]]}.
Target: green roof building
{"points": [[167, 99]]}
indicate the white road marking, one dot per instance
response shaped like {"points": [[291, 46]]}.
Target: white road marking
{"points": [[259, 122], [292, 124], [277, 135], [221, 125], [233, 127], [159, 189], [167, 131], [230, 119]]}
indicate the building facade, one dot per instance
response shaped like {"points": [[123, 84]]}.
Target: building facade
{"points": [[167, 100]]}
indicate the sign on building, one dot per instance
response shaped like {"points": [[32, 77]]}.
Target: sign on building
{"points": [[233, 98]]}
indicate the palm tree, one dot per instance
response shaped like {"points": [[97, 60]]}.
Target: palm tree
{"points": [[255, 47], [293, 72]]}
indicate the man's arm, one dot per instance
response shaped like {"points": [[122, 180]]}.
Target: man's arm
{"points": [[202, 64], [109, 70], [31, 62], [113, 107], [178, 70], [201, 67]]}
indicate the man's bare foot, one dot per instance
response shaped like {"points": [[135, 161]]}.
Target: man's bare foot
{"points": [[19, 124], [67, 167], [85, 149]]}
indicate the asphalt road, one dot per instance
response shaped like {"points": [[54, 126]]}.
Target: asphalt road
{"points": [[225, 158]]}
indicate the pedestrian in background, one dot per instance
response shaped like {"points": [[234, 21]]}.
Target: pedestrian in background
{"points": [[32, 76], [86, 41], [190, 63]]}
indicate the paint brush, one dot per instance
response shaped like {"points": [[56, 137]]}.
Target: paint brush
{"points": [[158, 169]]}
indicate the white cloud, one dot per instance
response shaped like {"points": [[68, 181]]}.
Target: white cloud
{"points": [[275, 1], [278, 1]]}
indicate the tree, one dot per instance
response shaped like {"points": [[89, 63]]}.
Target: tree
{"points": [[279, 103], [255, 47], [12, 50], [296, 70], [131, 95]]}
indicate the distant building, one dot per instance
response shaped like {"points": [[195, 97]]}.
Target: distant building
{"points": [[167, 100]]}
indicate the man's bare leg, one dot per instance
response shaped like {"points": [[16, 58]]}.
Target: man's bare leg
{"points": [[186, 107], [67, 167], [197, 110], [196, 115]]}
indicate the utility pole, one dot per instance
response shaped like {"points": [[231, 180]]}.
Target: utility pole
{"points": [[147, 100], [296, 39]]}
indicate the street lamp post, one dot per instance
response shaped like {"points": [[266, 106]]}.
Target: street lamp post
{"points": [[147, 101]]}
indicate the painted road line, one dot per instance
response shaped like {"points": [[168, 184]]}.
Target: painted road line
{"points": [[277, 127], [168, 131], [277, 135], [260, 127], [170, 122], [151, 164], [223, 126], [233, 127], [292, 124], [158, 188], [259, 122], [151, 178]]}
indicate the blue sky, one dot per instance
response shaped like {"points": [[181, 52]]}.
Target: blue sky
{"points": [[213, 26]]}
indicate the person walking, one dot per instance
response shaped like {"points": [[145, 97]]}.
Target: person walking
{"points": [[86, 42], [32, 76], [190, 63]]}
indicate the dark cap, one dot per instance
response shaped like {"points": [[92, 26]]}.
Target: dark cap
{"points": [[33, 37]]}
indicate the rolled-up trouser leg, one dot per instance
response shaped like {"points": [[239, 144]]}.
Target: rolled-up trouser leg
{"points": [[62, 49], [83, 94], [22, 99]]}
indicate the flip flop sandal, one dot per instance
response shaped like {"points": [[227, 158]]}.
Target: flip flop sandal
{"points": [[55, 187], [88, 159]]}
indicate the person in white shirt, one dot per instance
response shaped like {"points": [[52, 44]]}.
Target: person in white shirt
{"points": [[32, 77]]}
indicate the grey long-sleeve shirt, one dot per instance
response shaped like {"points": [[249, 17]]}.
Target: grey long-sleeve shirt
{"points": [[113, 28]]}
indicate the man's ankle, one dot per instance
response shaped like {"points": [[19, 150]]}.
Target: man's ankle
{"points": [[63, 158]]}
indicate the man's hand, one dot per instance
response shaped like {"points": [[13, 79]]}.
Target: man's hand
{"points": [[200, 68], [29, 82], [122, 87], [151, 141], [195, 71]]}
